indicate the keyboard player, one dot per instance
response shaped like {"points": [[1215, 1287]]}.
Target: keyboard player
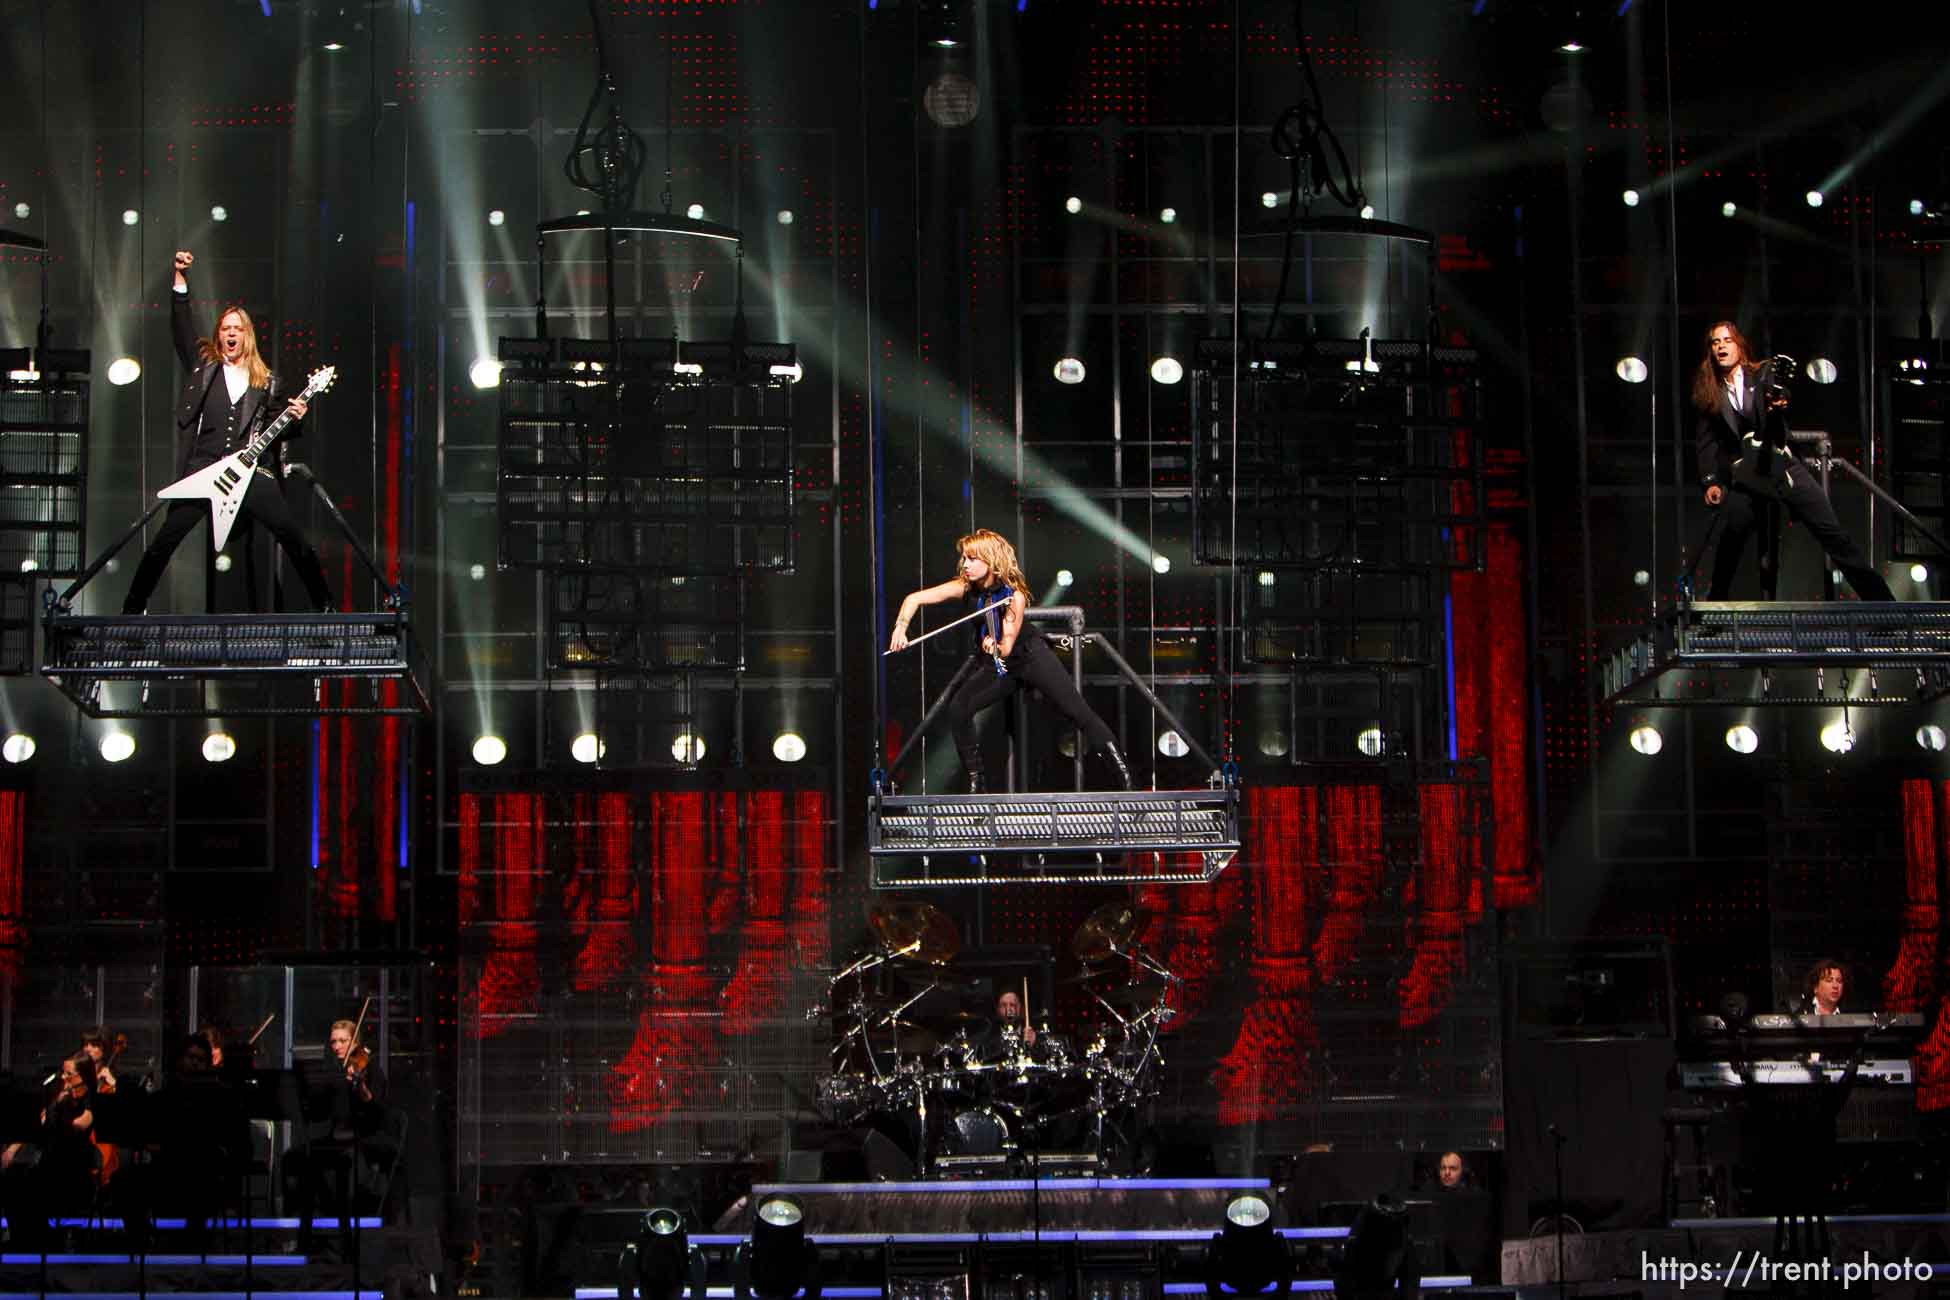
{"points": [[1822, 989]]}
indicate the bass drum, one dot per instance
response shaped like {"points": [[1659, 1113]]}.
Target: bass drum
{"points": [[979, 1132]]}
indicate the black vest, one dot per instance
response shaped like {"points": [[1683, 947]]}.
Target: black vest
{"points": [[218, 426]]}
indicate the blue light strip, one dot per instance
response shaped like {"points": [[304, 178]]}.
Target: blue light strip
{"points": [[1319, 1285], [1018, 1185], [161, 1261], [1025, 1234], [726, 1293], [367, 1221], [204, 1295]]}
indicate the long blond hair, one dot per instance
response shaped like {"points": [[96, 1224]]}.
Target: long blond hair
{"points": [[260, 374], [993, 549]]}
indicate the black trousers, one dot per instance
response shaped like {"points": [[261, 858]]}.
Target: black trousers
{"points": [[1033, 664], [1796, 490], [264, 503]]}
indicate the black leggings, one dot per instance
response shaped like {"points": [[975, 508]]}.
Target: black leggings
{"points": [[1033, 664]]}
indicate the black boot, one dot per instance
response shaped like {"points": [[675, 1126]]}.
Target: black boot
{"points": [[1117, 764], [971, 763]]}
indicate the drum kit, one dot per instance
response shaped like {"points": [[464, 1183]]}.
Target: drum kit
{"points": [[964, 1091]]}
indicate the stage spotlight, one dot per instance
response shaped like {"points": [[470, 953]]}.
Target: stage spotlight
{"points": [[1631, 369], [1073, 205], [1274, 744], [1814, 198], [788, 747], [785, 216], [695, 212], [489, 750], [687, 748], [1380, 1258], [778, 1261], [1065, 578], [485, 372], [1916, 208], [219, 747], [1631, 198], [1929, 736], [333, 47], [1836, 737], [19, 747], [1572, 46], [1641, 578], [1646, 739], [1919, 572], [117, 746], [1172, 745], [1269, 200], [497, 217], [1728, 208], [477, 571], [587, 748], [1247, 1255], [22, 211], [30, 565], [130, 216], [1266, 578], [1367, 212], [219, 213], [1370, 741], [124, 371], [1742, 739], [1161, 564], [1167, 370], [1820, 369], [1069, 370], [658, 1262], [1168, 215], [223, 562]]}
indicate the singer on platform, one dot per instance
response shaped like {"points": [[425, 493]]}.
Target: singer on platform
{"points": [[1012, 653]]}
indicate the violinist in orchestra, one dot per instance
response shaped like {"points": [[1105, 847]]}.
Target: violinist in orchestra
{"points": [[97, 1047], [346, 1139], [362, 1074], [55, 1176]]}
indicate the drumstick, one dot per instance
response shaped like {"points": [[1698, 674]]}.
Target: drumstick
{"points": [[1025, 1009]]}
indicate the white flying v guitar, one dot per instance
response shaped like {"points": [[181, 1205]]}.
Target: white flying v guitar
{"points": [[223, 484]]}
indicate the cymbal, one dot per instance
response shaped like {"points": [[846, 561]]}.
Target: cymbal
{"points": [[1105, 930], [911, 1039], [1131, 995], [957, 1018], [1086, 973], [921, 927]]}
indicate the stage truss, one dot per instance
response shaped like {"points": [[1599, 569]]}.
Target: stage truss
{"points": [[1149, 836], [1853, 653], [234, 665]]}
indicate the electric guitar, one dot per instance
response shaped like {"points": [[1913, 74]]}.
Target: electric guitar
{"points": [[224, 484]]}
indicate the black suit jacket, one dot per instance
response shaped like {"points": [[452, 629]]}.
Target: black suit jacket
{"points": [[256, 405], [1720, 433]]}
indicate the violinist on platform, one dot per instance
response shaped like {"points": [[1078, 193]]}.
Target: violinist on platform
{"points": [[55, 1177], [345, 1139]]}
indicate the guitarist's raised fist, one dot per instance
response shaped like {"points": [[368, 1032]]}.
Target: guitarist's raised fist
{"points": [[184, 259]]}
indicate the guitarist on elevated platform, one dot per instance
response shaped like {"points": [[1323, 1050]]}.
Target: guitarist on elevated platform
{"points": [[228, 396], [1745, 464]]}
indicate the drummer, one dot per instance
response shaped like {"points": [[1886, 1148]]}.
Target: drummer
{"points": [[1007, 1032]]}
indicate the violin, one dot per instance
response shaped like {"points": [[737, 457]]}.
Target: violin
{"points": [[104, 1071]]}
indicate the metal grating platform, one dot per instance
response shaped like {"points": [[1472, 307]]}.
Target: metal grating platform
{"points": [[1162, 837], [262, 664], [1786, 652]]}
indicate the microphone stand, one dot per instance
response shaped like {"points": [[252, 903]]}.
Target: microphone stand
{"points": [[1557, 1163]]}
